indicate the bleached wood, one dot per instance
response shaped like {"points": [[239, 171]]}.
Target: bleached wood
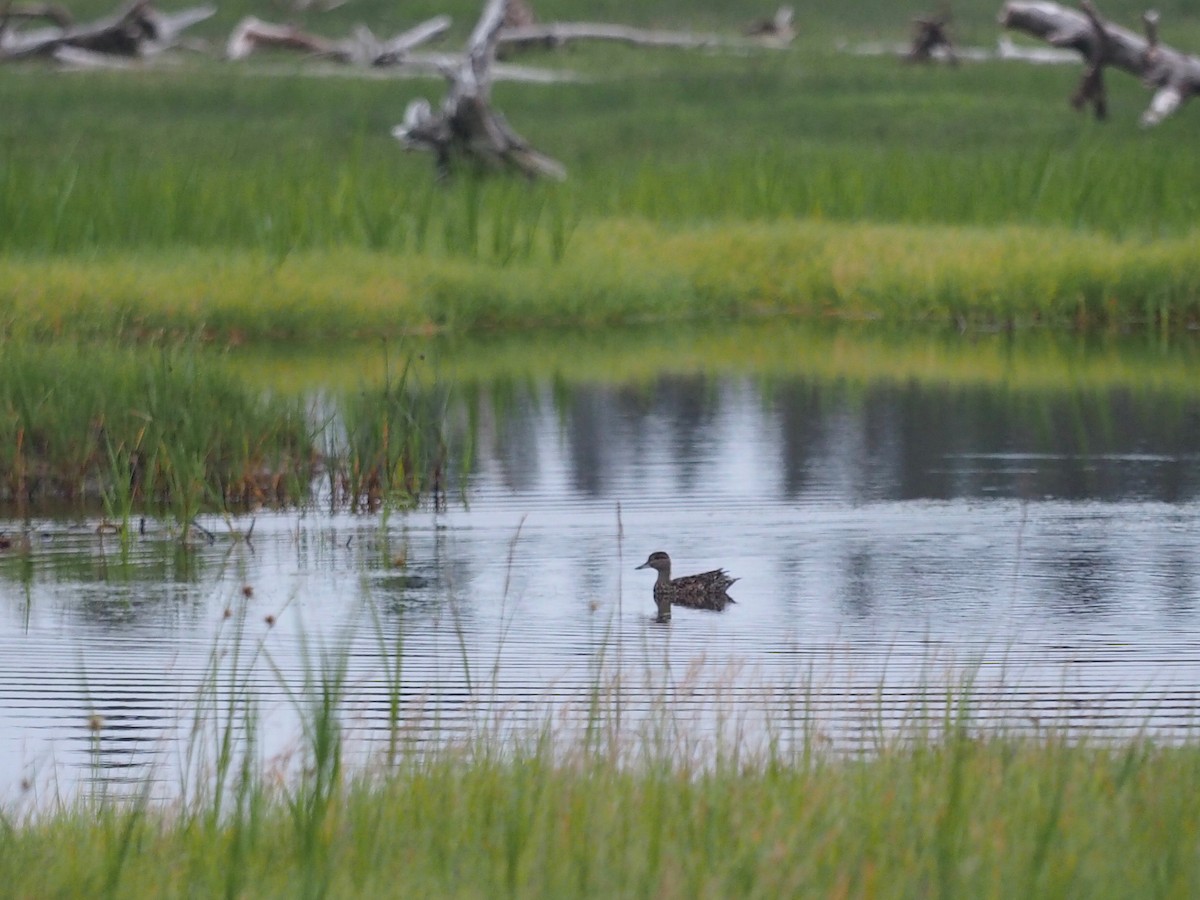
{"points": [[362, 47], [466, 125], [556, 34], [1172, 74], [138, 30]]}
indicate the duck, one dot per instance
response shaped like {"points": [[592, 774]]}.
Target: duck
{"points": [[704, 591]]}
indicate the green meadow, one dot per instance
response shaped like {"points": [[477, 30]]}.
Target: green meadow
{"points": [[264, 202]]}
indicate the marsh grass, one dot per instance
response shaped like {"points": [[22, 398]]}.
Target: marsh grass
{"points": [[171, 431], [396, 447], [869, 189], [627, 272], [157, 428], [948, 813]]}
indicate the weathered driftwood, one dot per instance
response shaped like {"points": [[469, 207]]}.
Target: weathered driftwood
{"points": [[299, 6], [139, 30], [1005, 50], [556, 34], [362, 47], [521, 31], [1173, 75], [466, 125]]}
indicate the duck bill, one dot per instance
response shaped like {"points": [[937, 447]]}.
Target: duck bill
{"points": [[644, 565]]}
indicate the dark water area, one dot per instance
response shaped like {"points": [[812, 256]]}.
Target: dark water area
{"points": [[892, 542]]}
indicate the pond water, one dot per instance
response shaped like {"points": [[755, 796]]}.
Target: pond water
{"points": [[894, 543]]}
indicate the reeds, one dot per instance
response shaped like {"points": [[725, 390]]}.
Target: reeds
{"points": [[156, 428], [626, 272], [171, 431], [949, 814], [392, 446]]}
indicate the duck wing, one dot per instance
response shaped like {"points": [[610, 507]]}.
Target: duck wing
{"points": [[703, 591]]}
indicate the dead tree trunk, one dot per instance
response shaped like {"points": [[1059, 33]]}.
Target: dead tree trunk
{"points": [[1174, 76], [467, 125]]}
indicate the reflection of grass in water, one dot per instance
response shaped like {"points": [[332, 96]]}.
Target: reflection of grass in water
{"points": [[1034, 360]]}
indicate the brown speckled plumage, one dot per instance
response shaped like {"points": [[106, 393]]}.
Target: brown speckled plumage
{"points": [[704, 591]]}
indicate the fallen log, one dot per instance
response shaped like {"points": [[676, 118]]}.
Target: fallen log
{"points": [[362, 47], [467, 125], [252, 33], [557, 34], [1006, 50], [140, 30], [1174, 76]]}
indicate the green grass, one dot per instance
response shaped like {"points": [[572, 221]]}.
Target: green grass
{"points": [[948, 815], [619, 272], [175, 432], [395, 443], [261, 207], [224, 157], [701, 186], [162, 429]]}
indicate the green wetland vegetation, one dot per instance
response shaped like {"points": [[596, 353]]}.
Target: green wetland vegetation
{"points": [[949, 817], [260, 206], [176, 245]]}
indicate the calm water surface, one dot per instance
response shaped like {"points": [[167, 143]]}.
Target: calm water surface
{"points": [[891, 543]]}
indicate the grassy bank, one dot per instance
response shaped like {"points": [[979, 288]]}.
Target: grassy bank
{"points": [[947, 817], [262, 207], [619, 272]]}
